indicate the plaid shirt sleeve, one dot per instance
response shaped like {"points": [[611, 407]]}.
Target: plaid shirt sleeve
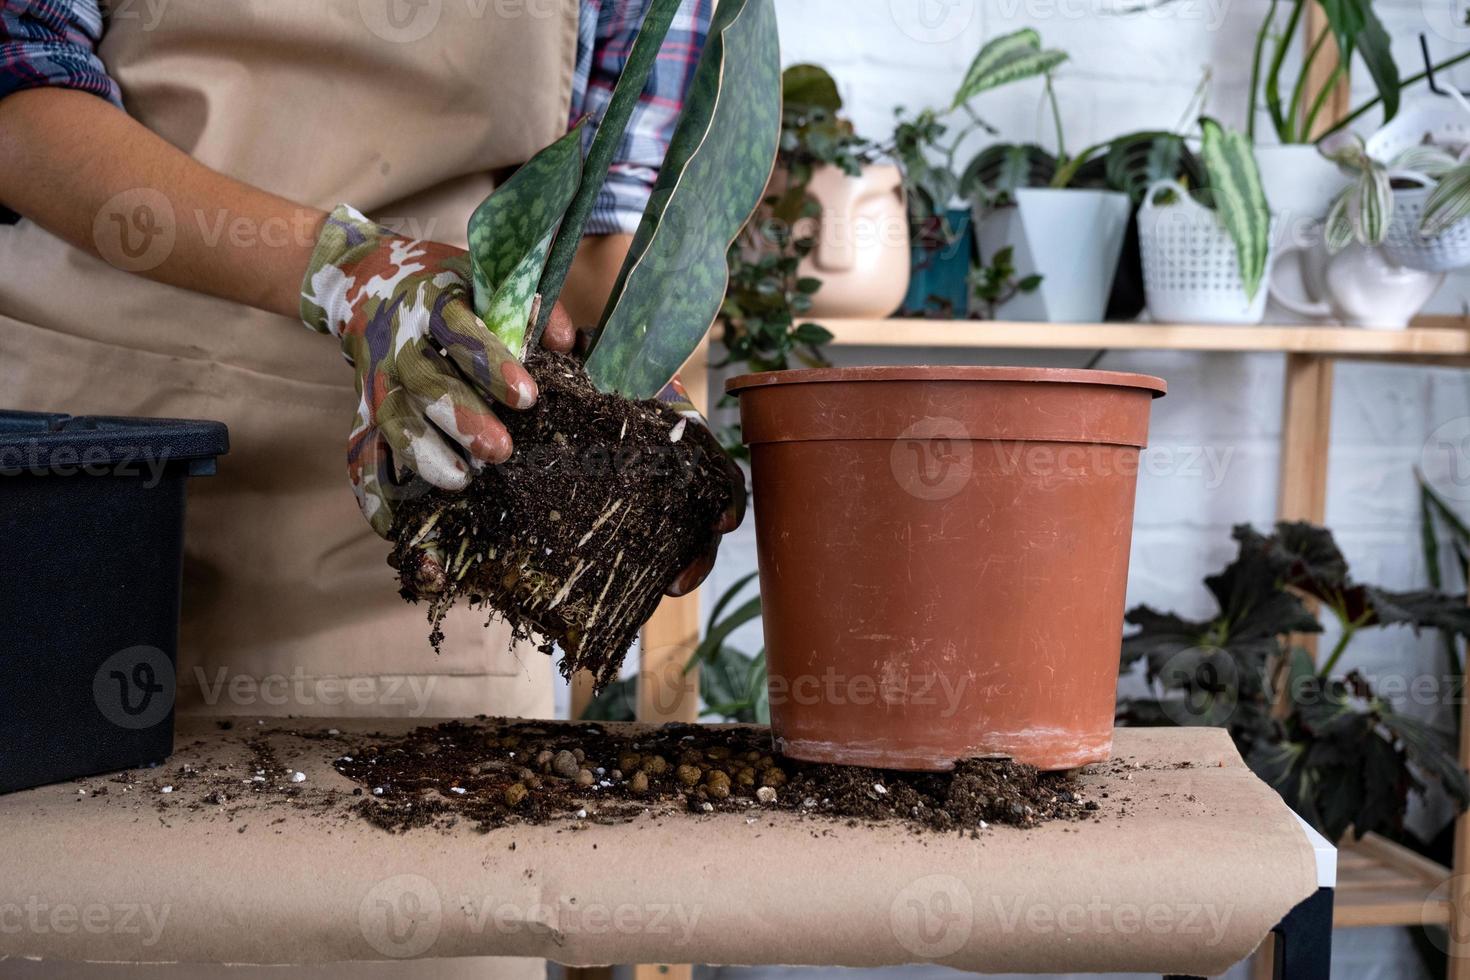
{"points": [[53, 43], [605, 36]]}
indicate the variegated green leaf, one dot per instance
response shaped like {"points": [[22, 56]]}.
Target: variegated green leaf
{"points": [[611, 129], [1427, 159], [1448, 203], [716, 169], [1370, 204], [1239, 199], [510, 234], [1007, 59], [1338, 230]]}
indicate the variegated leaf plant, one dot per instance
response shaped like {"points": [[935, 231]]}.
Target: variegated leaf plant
{"points": [[720, 158], [1008, 58], [510, 236], [1362, 212], [719, 162], [1238, 198]]}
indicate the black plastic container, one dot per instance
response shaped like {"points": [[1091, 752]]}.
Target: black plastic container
{"points": [[91, 549]]}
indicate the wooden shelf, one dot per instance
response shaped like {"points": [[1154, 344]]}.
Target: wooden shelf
{"points": [[1380, 883], [1428, 342]]}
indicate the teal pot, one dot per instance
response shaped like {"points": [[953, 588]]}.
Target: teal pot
{"points": [[939, 278], [1071, 237]]}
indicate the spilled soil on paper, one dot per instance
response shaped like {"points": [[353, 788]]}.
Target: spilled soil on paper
{"points": [[494, 775]]}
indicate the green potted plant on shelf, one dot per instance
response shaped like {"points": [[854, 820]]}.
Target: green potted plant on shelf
{"points": [[1302, 183], [1410, 190], [926, 149], [1338, 751], [1059, 219], [1207, 247], [609, 492]]}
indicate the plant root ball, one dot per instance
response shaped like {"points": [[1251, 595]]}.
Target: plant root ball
{"points": [[574, 539]]}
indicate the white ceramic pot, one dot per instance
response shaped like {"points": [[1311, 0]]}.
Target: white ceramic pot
{"points": [[1358, 287], [1300, 186], [1190, 270], [862, 251], [1070, 237]]}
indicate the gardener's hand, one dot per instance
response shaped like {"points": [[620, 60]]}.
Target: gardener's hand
{"points": [[425, 363], [697, 428]]}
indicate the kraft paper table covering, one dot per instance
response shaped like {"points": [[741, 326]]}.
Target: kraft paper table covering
{"points": [[1203, 863]]}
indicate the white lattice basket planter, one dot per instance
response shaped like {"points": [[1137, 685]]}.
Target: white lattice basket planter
{"points": [[1446, 123], [1404, 246], [1190, 272]]}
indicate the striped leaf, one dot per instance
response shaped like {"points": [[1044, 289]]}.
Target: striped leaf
{"points": [[723, 149], [611, 130], [1338, 231], [1448, 203], [1427, 159], [510, 235], [1239, 199], [1371, 204], [1362, 211], [1007, 59]]}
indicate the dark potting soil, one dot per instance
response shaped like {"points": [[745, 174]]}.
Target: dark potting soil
{"points": [[494, 775], [574, 539]]}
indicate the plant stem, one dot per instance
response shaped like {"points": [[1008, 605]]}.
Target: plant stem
{"points": [[1337, 650], [1322, 97], [1299, 90], [1353, 116], [1260, 47], [1273, 74], [1067, 169], [1349, 629], [1056, 118], [599, 157]]}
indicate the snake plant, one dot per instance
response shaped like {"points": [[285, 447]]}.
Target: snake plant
{"points": [[524, 236]]}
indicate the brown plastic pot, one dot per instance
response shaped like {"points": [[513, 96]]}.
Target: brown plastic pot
{"points": [[943, 555]]}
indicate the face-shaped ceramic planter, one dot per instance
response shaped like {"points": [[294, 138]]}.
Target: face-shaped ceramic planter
{"points": [[862, 253]]}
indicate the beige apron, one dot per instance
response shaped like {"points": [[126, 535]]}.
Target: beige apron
{"points": [[402, 108]]}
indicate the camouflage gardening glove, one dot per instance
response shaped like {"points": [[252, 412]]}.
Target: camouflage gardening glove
{"points": [[696, 427], [425, 363]]}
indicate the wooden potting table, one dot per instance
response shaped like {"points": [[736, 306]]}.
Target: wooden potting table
{"points": [[1187, 863]]}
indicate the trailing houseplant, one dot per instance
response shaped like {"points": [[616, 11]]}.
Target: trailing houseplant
{"points": [[772, 286], [927, 149], [1299, 182], [608, 493], [1336, 750], [1416, 203]]}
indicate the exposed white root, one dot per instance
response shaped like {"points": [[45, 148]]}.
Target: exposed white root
{"points": [[612, 573], [425, 528], [562, 593], [597, 524]]}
